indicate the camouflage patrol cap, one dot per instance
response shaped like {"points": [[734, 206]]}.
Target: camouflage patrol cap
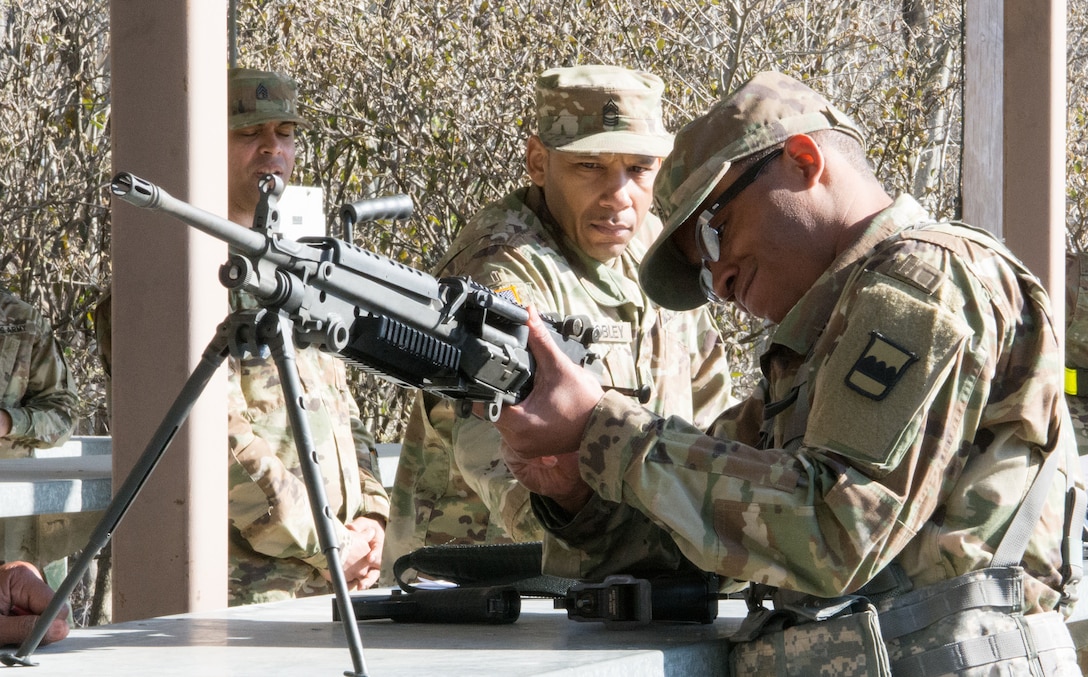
{"points": [[601, 109], [255, 97], [760, 114]]}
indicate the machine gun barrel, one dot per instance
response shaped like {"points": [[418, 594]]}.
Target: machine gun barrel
{"points": [[452, 336], [303, 257], [141, 193]]}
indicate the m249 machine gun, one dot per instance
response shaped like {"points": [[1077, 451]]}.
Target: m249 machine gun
{"points": [[452, 337], [449, 336]]}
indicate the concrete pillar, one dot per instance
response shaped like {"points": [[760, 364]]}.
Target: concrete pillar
{"points": [[982, 116], [1034, 140], [168, 63]]}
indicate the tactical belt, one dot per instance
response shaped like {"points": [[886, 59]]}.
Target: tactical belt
{"points": [[996, 588], [999, 587]]}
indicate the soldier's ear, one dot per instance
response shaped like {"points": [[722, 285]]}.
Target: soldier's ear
{"points": [[536, 159], [805, 154]]}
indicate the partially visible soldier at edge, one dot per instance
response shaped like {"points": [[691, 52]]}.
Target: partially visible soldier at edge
{"points": [[38, 400], [570, 244], [1076, 344], [274, 551], [913, 502], [38, 396], [1076, 383]]}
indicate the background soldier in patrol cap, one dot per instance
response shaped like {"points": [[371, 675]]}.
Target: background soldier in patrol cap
{"points": [[274, 551], [914, 447], [570, 243]]}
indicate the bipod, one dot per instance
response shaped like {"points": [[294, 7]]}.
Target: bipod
{"points": [[242, 330]]}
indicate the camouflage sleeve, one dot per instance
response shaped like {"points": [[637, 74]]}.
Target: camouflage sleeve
{"points": [[375, 500], [267, 503], [43, 415], [417, 459], [712, 382], [580, 546], [476, 444]]}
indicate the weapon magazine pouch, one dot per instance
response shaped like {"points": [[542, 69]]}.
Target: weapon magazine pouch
{"points": [[847, 645]]}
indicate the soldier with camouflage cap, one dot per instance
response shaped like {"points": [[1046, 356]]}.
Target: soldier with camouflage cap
{"points": [[570, 243], [903, 482], [274, 551]]}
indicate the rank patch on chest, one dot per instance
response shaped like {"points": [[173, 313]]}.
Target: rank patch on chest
{"points": [[880, 367]]}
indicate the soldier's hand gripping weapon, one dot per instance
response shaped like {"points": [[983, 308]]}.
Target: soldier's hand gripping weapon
{"points": [[450, 336]]}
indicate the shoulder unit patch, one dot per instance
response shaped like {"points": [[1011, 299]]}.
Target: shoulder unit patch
{"points": [[879, 367]]}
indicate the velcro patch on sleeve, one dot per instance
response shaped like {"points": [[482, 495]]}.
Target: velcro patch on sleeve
{"points": [[895, 352]]}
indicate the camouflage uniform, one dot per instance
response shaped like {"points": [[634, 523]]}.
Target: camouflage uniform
{"points": [[451, 484], [908, 399], [39, 394], [274, 551]]}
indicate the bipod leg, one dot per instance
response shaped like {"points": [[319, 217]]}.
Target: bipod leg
{"points": [[275, 332], [212, 358]]}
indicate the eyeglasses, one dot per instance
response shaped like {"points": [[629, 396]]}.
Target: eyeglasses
{"points": [[708, 238]]}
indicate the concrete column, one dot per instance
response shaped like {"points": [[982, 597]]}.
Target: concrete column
{"points": [[982, 116], [168, 63], [1034, 140]]}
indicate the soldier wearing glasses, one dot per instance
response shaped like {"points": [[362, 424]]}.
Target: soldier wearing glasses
{"points": [[902, 492]]}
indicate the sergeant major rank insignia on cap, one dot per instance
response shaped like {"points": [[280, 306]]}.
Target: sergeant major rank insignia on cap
{"points": [[880, 367], [610, 114]]}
